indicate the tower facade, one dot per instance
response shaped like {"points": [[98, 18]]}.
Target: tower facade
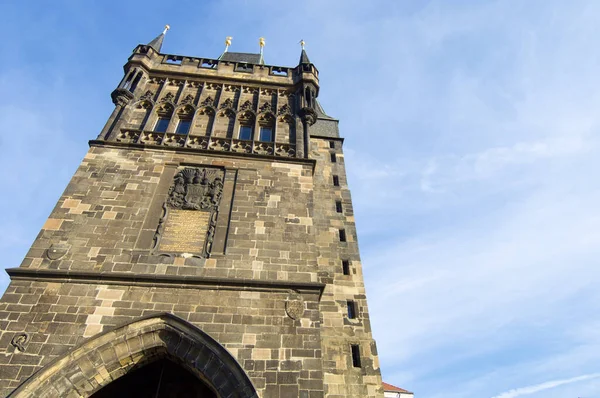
{"points": [[205, 247]]}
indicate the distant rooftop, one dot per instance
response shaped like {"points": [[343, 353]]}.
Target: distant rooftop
{"points": [[391, 388]]}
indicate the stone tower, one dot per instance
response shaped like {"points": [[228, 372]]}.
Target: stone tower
{"points": [[205, 247]]}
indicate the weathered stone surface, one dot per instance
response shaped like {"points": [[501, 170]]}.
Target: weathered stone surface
{"points": [[269, 295]]}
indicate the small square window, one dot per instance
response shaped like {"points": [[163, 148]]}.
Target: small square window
{"points": [[336, 181], [266, 134], [245, 133], [184, 126], [351, 305], [346, 267], [161, 125], [355, 355], [332, 144], [342, 235], [338, 206], [333, 157]]}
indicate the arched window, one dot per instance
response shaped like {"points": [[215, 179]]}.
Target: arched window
{"points": [[135, 82], [184, 123], [266, 123], [164, 112], [127, 82], [246, 130]]}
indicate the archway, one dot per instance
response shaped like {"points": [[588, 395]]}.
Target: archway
{"points": [[159, 379], [105, 358]]}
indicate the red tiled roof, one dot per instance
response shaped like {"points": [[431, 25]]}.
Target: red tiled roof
{"points": [[391, 388]]}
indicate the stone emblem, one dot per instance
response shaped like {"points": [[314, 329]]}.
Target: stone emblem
{"points": [[196, 189], [57, 251], [294, 307]]}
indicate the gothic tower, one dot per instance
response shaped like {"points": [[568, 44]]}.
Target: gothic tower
{"points": [[205, 247]]}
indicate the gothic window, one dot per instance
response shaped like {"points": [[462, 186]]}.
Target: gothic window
{"points": [[135, 82], [346, 267], [355, 355], [161, 124], [127, 82], [183, 127], [245, 133], [266, 134], [165, 111], [351, 306]]}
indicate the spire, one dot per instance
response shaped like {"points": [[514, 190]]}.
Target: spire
{"points": [[303, 56], [156, 44]]}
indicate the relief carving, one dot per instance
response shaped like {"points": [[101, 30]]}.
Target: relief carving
{"points": [[194, 189], [188, 99], [19, 340], [294, 306]]}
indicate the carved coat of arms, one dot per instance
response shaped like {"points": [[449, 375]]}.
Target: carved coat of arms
{"points": [[196, 189], [193, 189]]}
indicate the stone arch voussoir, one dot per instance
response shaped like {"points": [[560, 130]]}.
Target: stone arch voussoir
{"points": [[104, 358]]}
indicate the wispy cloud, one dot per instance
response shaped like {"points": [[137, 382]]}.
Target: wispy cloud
{"points": [[517, 392]]}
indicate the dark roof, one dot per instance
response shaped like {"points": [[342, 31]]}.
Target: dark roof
{"points": [[248, 58], [304, 58], [391, 388], [156, 44]]}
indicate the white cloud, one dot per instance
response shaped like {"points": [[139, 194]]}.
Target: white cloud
{"points": [[517, 392]]}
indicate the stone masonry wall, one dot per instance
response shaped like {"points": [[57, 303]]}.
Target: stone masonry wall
{"points": [[338, 332], [280, 355]]}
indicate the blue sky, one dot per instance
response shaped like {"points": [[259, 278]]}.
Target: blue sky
{"points": [[471, 145]]}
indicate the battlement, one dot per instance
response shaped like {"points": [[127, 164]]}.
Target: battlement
{"points": [[156, 63]]}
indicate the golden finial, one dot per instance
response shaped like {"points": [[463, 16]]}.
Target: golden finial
{"points": [[261, 42], [227, 42], [301, 43], [167, 27]]}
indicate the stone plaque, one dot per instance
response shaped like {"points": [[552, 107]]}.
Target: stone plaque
{"points": [[185, 231]]}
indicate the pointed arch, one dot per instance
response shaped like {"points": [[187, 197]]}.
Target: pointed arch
{"points": [[203, 121], [224, 123], [286, 129], [106, 357], [140, 113]]}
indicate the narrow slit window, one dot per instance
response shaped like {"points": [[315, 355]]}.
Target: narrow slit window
{"points": [[266, 134], [336, 181], [338, 206], [342, 235], [245, 133], [355, 355], [351, 305], [184, 126], [332, 144], [346, 267], [333, 157], [161, 125]]}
